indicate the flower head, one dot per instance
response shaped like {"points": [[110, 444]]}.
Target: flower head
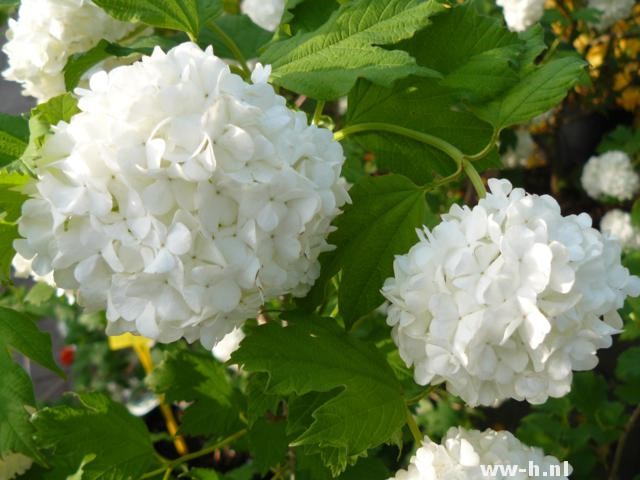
{"points": [[506, 299], [465, 454], [617, 224], [264, 13], [611, 11], [46, 34], [181, 198], [521, 14], [610, 175]]}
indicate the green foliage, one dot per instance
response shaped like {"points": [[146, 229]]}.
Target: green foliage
{"points": [[249, 37], [97, 427], [384, 215], [196, 377], [622, 138], [185, 15], [325, 64], [369, 408], [307, 15], [14, 136], [268, 443]]}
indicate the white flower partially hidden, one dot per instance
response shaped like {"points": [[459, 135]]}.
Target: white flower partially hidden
{"points": [[506, 299], [229, 344], [610, 175], [617, 224], [463, 454], [525, 147], [22, 269], [181, 198], [264, 13], [521, 14], [611, 11], [13, 464], [44, 36]]}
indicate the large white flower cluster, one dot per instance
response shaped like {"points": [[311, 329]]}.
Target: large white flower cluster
{"points": [[617, 224], [521, 14], [611, 11], [506, 299], [181, 197], [610, 175], [463, 454], [264, 13], [517, 156], [46, 34], [13, 464]]}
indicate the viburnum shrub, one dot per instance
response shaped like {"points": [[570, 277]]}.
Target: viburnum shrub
{"points": [[281, 208]]}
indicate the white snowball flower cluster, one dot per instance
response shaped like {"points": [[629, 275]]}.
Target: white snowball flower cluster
{"points": [[506, 299], [46, 34], [181, 197], [525, 147], [617, 224], [611, 11], [264, 13], [521, 14], [22, 269], [612, 175], [463, 454], [13, 464]]}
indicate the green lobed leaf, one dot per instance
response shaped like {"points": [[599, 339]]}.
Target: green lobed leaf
{"points": [[540, 86], [379, 224], [16, 432], [628, 366], [8, 233], [325, 64], [14, 137], [268, 443], [186, 15], [20, 332], [98, 426], [186, 375], [307, 15], [11, 198], [249, 37], [314, 355], [622, 138]]}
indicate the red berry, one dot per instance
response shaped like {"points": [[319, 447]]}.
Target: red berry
{"points": [[67, 355]]}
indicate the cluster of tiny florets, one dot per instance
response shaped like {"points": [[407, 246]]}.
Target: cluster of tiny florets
{"points": [[462, 455], [44, 36], [617, 223], [610, 175], [181, 197], [521, 14], [611, 11], [264, 13], [506, 299]]}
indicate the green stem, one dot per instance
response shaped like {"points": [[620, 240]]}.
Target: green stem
{"points": [[413, 426], [192, 37], [200, 453], [485, 151], [425, 138], [475, 178], [231, 45], [318, 112]]}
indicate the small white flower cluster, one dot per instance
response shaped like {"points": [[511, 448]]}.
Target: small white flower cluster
{"points": [[521, 14], [264, 13], [612, 11], [46, 34], [14, 464], [22, 269], [525, 147], [181, 198], [617, 224], [506, 299], [610, 175], [462, 452]]}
